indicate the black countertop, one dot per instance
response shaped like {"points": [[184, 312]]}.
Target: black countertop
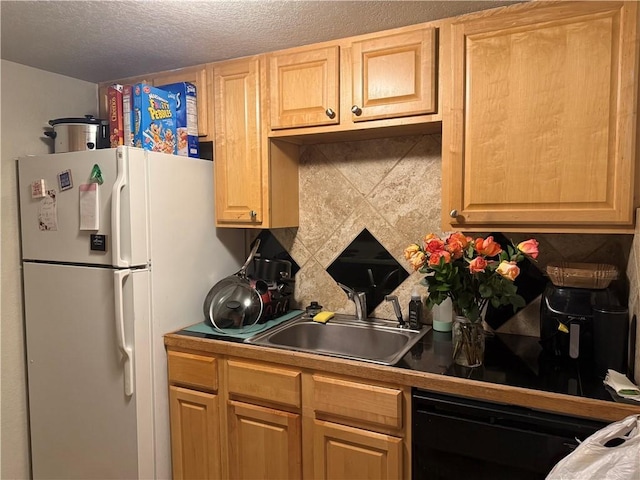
{"points": [[513, 360]]}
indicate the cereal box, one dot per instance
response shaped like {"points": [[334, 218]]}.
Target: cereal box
{"points": [[186, 117], [127, 115], [116, 135], [154, 113]]}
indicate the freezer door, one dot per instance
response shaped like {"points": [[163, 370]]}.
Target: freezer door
{"points": [[113, 218], [90, 416]]}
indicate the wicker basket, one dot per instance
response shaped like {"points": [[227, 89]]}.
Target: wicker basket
{"points": [[582, 275]]}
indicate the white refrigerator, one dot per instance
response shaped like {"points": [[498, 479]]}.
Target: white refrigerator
{"points": [[109, 269]]}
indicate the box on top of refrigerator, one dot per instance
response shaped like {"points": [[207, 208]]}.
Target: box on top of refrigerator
{"points": [[154, 112], [186, 117], [116, 134]]}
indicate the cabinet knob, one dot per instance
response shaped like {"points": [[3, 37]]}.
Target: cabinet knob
{"points": [[356, 110], [453, 213], [253, 214], [330, 113]]}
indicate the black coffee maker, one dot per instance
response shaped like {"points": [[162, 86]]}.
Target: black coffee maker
{"points": [[566, 319]]}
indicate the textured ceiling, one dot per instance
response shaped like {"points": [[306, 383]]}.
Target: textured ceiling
{"points": [[105, 40]]}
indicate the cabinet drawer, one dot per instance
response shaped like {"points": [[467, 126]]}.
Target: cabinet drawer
{"points": [[264, 382], [358, 401], [193, 370]]}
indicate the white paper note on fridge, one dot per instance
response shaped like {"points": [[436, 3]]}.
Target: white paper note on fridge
{"points": [[89, 207]]}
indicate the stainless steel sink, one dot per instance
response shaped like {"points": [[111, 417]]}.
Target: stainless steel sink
{"points": [[374, 340]]}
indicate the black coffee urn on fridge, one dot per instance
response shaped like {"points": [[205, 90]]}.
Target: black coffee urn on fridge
{"points": [[585, 324]]}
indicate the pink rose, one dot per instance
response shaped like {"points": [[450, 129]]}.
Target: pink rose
{"points": [[487, 246], [508, 270], [529, 247], [435, 257], [477, 265], [418, 260]]}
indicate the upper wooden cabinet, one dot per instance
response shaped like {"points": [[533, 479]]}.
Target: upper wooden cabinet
{"points": [[256, 181], [394, 76], [304, 88], [377, 77], [539, 128], [197, 76], [238, 162]]}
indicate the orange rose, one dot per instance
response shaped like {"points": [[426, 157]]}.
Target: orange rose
{"points": [[429, 236], [460, 238], [411, 250], [477, 265], [455, 249], [508, 270], [433, 245], [435, 257], [456, 243], [487, 246], [418, 260], [529, 247]]}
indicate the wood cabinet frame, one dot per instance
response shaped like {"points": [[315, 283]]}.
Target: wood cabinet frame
{"points": [[246, 406], [547, 201]]}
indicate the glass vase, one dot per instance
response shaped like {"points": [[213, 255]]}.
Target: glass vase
{"points": [[468, 342]]}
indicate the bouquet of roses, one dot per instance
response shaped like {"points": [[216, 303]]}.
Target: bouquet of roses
{"points": [[470, 271]]}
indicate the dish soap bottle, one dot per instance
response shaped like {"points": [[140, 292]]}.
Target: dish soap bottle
{"points": [[415, 309]]}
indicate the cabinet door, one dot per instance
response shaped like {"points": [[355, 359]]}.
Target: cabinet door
{"points": [[346, 453], [195, 440], [263, 443], [238, 154], [304, 88], [197, 76], [541, 122], [394, 76]]}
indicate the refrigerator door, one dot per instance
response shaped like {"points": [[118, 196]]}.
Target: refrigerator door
{"points": [[64, 220], [90, 416]]}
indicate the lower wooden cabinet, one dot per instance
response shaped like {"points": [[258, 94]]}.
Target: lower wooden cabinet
{"points": [[195, 434], [263, 443], [258, 420], [346, 453]]}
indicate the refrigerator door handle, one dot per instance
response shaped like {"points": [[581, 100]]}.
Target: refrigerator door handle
{"points": [[119, 277], [116, 197]]}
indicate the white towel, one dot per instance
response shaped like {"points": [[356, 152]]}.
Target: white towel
{"points": [[622, 385]]}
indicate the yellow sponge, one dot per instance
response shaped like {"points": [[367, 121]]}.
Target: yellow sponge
{"points": [[323, 317]]}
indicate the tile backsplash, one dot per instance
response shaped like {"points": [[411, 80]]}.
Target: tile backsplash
{"points": [[392, 187]]}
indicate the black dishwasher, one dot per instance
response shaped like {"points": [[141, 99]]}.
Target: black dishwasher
{"points": [[456, 438]]}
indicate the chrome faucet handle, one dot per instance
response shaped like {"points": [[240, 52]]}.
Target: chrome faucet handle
{"points": [[361, 305], [358, 298], [396, 307], [351, 293]]}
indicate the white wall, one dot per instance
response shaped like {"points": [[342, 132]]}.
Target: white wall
{"points": [[29, 99]]}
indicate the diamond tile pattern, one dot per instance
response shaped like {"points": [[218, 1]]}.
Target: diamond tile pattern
{"points": [[392, 187]]}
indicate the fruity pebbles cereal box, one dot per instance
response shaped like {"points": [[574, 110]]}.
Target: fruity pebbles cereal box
{"points": [[186, 117], [154, 113]]}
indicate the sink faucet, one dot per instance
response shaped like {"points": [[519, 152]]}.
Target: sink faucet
{"points": [[359, 299], [396, 307]]}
